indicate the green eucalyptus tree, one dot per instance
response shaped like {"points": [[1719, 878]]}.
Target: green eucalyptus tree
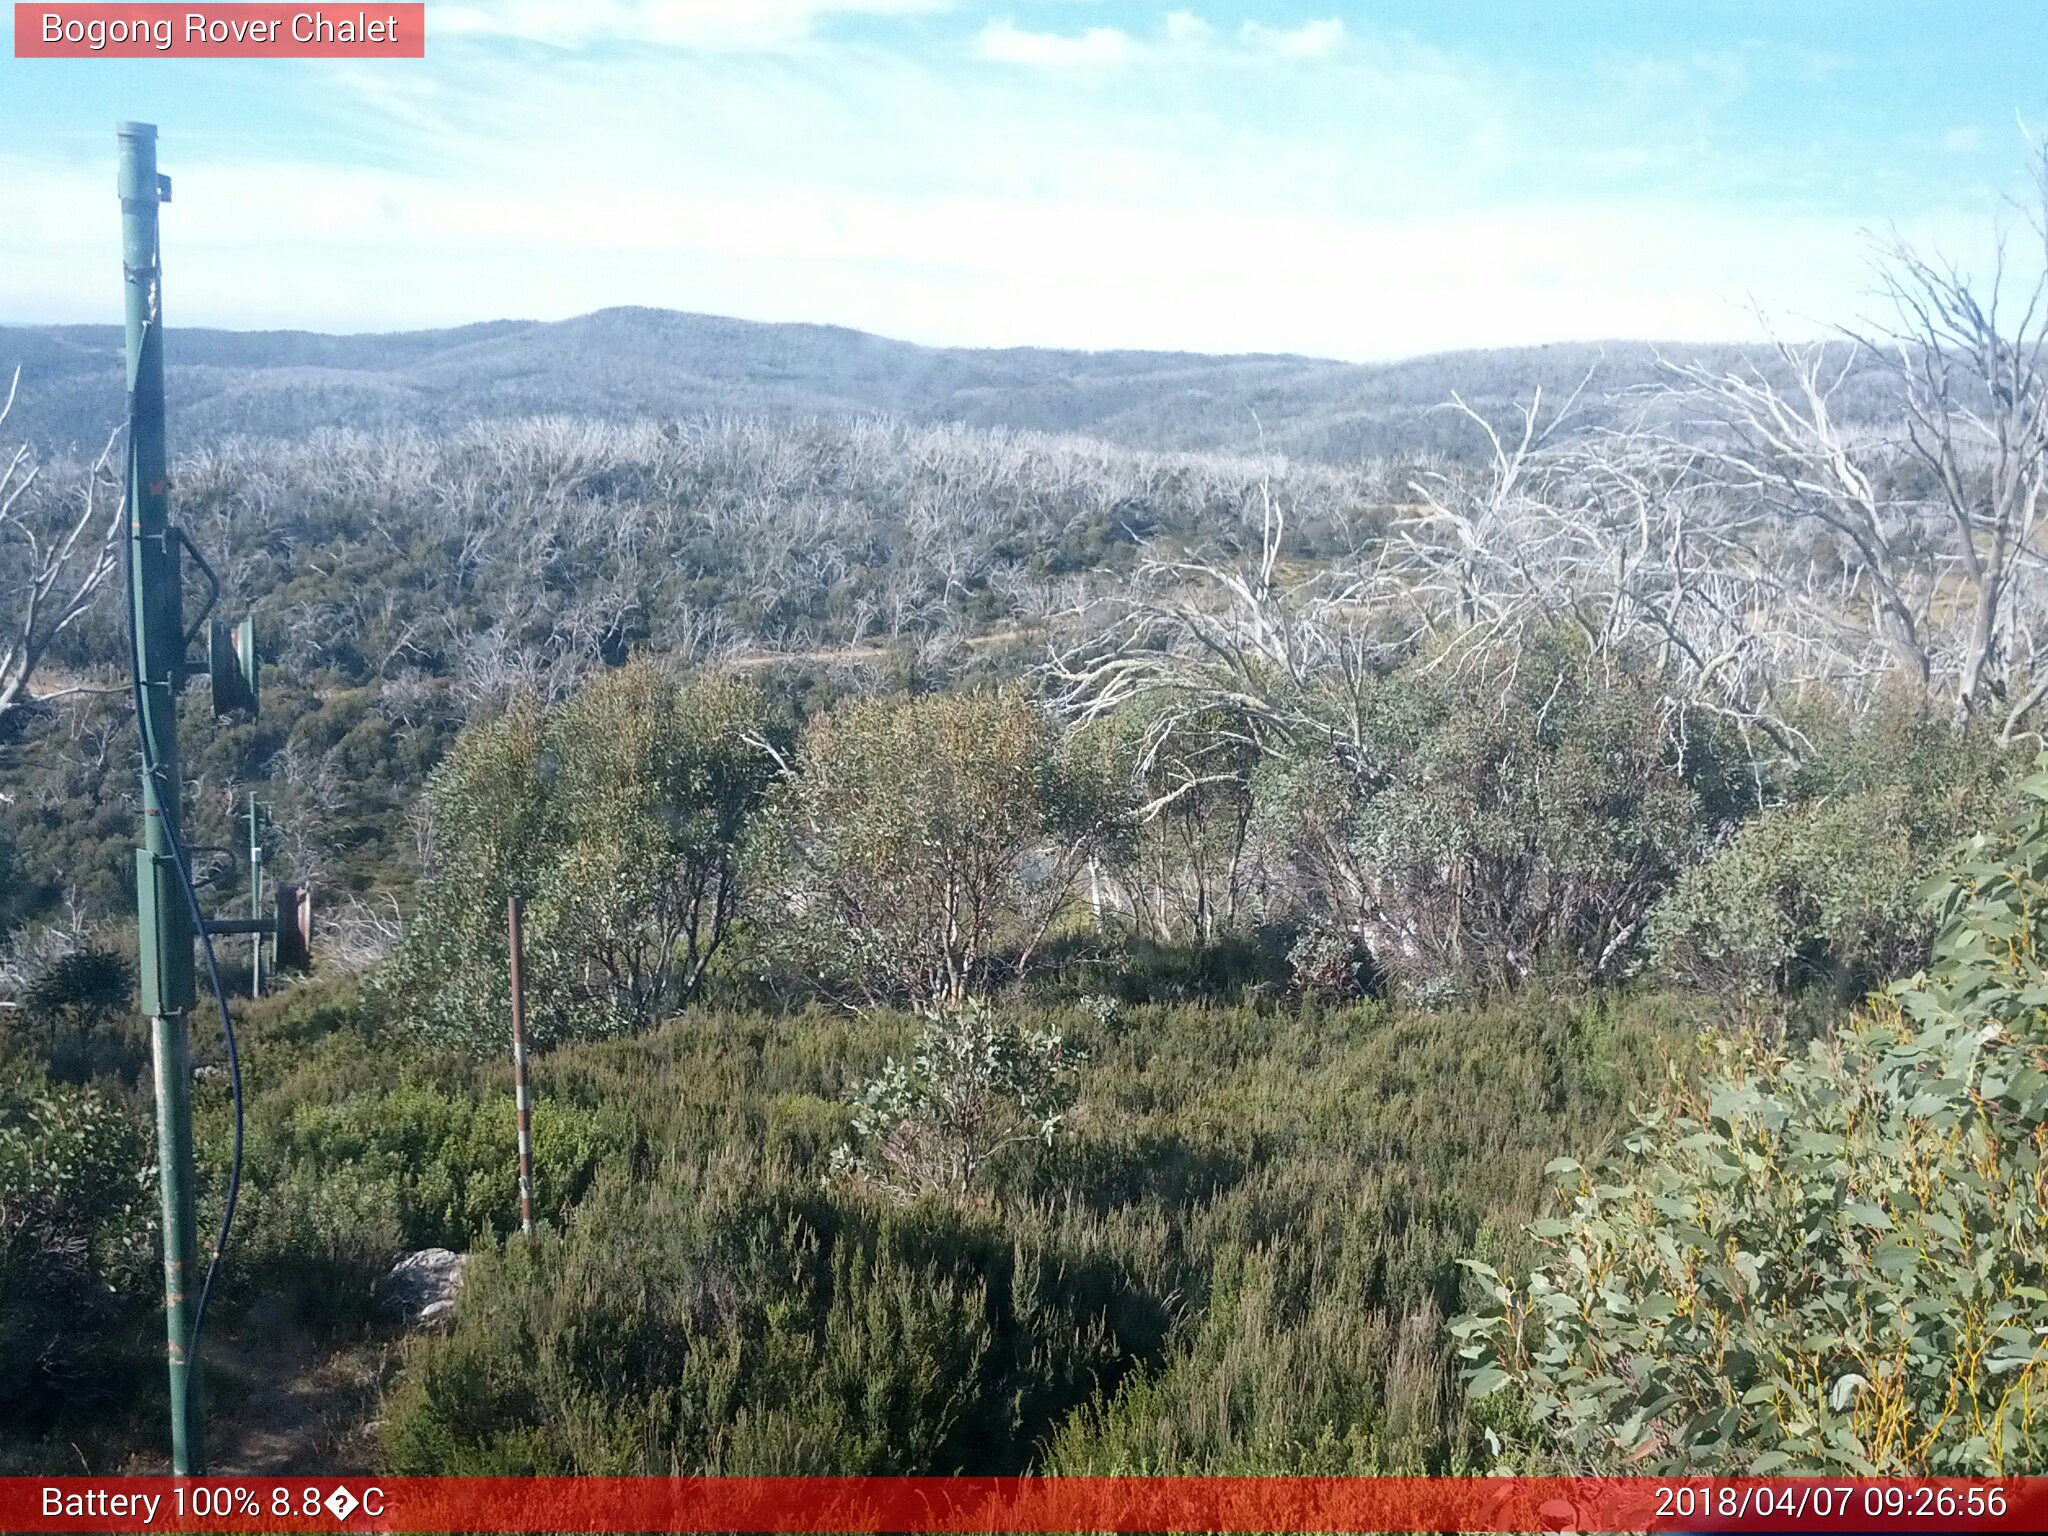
{"points": [[620, 815], [924, 848]]}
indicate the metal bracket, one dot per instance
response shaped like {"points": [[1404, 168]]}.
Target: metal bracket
{"points": [[184, 542], [263, 925], [290, 923], [164, 978]]}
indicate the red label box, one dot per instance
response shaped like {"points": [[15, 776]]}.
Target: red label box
{"points": [[367, 29], [965, 1506]]}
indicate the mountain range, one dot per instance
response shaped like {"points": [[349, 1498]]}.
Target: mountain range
{"points": [[618, 363]]}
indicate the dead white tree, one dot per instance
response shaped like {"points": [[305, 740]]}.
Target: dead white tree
{"points": [[1476, 557], [1936, 514], [1623, 537], [1772, 440], [1238, 634], [57, 549], [1764, 541], [1977, 418], [356, 934]]}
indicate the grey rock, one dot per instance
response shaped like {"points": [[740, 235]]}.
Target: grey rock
{"points": [[421, 1288]]}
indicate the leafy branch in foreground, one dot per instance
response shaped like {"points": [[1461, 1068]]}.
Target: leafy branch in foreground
{"points": [[1836, 1261]]}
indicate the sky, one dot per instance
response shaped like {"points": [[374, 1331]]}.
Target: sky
{"points": [[1360, 181]]}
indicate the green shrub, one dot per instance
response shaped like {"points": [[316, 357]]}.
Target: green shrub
{"points": [[77, 1019], [924, 849], [78, 1254], [748, 1325], [336, 1190], [1821, 890], [1269, 1202], [85, 981], [1248, 966], [309, 1247], [363, 1144], [1278, 1378], [1830, 1261], [1486, 828], [1326, 962], [1802, 892], [978, 1086]]}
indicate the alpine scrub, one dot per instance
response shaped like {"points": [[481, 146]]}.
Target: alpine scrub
{"points": [[1834, 1260]]}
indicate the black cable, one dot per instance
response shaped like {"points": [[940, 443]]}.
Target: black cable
{"points": [[227, 1026], [153, 768]]}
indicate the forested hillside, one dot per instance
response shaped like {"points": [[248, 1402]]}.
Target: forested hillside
{"points": [[1076, 907]]}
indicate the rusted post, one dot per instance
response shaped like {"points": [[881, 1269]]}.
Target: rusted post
{"points": [[512, 911]]}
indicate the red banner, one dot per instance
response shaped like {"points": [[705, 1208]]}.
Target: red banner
{"points": [[215, 31], [1041, 1504]]}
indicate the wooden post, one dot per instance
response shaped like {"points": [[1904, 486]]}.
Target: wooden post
{"points": [[512, 909]]}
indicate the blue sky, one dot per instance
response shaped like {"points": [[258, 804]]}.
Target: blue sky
{"points": [[1358, 181]]}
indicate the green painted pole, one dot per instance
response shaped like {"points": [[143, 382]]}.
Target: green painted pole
{"points": [[165, 929]]}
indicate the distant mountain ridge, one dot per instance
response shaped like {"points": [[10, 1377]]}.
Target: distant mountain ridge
{"points": [[618, 363]]}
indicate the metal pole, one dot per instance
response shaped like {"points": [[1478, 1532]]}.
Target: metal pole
{"points": [[165, 930], [512, 931], [255, 901]]}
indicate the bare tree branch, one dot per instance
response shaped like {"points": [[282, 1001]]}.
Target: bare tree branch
{"points": [[58, 546]]}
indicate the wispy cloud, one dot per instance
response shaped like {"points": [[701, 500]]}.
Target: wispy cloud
{"points": [[717, 24], [1006, 43], [388, 249], [1310, 40], [1183, 36]]}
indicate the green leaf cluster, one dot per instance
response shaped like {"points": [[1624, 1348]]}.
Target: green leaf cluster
{"points": [[1822, 889], [978, 1084], [1480, 829]]}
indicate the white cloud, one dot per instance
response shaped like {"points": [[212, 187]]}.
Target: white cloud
{"points": [[283, 245], [726, 24], [1185, 27], [1310, 40], [1006, 43]]}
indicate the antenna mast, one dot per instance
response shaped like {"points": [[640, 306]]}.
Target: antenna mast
{"points": [[167, 912]]}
